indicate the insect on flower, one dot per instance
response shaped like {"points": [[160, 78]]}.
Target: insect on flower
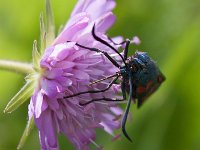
{"points": [[140, 77]]}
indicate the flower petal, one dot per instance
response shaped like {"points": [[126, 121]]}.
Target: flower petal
{"points": [[40, 103], [95, 8], [105, 22], [51, 88], [46, 127], [80, 75], [61, 51], [68, 33]]}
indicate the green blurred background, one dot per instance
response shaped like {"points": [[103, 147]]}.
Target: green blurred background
{"points": [[170, 33]]}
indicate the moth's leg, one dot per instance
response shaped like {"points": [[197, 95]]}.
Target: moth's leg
{"points": [[94, 91], [106, 43], [126, 42], [102, 99], [123, 88], [114, 62], [124, 119]]}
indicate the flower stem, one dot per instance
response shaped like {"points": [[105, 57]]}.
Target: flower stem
{"points": [[19, 67]]}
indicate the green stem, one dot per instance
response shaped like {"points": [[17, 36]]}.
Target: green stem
{"points": [[19, 67]]}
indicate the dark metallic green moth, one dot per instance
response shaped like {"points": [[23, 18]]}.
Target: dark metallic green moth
{"points": [[140, 77]]}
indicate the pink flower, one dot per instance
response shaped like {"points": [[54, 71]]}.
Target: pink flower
{"points": [[68, 69]]}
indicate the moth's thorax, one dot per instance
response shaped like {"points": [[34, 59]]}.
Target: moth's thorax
{"points": [[136, 62]]}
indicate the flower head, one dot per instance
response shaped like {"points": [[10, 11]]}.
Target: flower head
{"points": [[65, 69]]}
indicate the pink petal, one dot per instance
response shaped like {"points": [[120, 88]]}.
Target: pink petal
{"points": [[105, 22], [80, 75], [99, 7], [51, 88], [107, 128], [53, 73], [47, 133], [40, 104], [61, 51], [79, 53], [68, 33], [65, 64], [136, 40]]}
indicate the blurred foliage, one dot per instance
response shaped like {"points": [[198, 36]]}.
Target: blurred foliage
{"points": [[170, 33]]}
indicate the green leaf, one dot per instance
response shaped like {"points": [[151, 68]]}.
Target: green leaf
{"points": [[42, 34], [60, 29], [29, 127], [25, 92], [50, 23], [36, 56]]}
